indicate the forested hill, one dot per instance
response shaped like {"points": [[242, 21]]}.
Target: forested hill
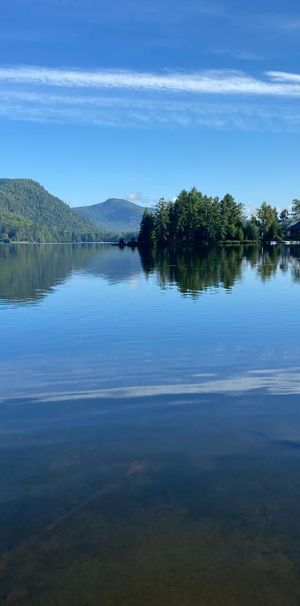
{"points": [[115, 214], [28, 212]]}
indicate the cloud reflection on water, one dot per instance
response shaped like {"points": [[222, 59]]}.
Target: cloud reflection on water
{"points": [[276, 381]]}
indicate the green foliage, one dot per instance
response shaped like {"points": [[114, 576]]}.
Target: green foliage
{"points": [[231, 219], [162, 220], [268, 223], [147, 235], [193, 219], [13, 226], [29, 213], [251, 230]]}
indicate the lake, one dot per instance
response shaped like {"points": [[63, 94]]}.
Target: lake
{"points": [[149, 426]]}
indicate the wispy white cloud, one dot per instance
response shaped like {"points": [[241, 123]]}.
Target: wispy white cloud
{"points": [[125, 110], [216, 99], [222, 82], [135, 196], [284, 77]]}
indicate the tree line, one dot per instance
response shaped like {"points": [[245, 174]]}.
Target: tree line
{"points": [[14, 228], [193, 218]]}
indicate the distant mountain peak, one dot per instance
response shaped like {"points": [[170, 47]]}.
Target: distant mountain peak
{"points": [[115, 201], [115, 214]]}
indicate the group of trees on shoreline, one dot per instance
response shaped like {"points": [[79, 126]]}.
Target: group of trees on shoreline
{"points": [[14, 228], [193, 218]]}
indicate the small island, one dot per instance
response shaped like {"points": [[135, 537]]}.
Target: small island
{"points": [[196, 219]]}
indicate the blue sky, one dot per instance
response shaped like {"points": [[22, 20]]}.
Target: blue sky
{"points": [[140, 99]]}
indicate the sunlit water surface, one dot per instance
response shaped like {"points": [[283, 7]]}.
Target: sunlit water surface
{"points": [[149, 427]]}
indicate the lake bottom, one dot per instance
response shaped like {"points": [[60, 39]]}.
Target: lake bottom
{"points": [[157, 500]]}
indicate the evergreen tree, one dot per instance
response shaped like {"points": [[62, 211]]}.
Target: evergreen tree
{"points": [[162, 222], [231, 218], [147, 235]]}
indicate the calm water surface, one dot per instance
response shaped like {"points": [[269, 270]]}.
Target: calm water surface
{"points": [[149, 427]]}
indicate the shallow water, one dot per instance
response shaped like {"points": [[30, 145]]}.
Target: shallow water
{"points": [[149, 426]]}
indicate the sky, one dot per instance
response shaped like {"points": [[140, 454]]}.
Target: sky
{"points": [[140, 99]]}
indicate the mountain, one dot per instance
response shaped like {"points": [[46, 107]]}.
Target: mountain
{"points": [[115, 214], [28, 212]]}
